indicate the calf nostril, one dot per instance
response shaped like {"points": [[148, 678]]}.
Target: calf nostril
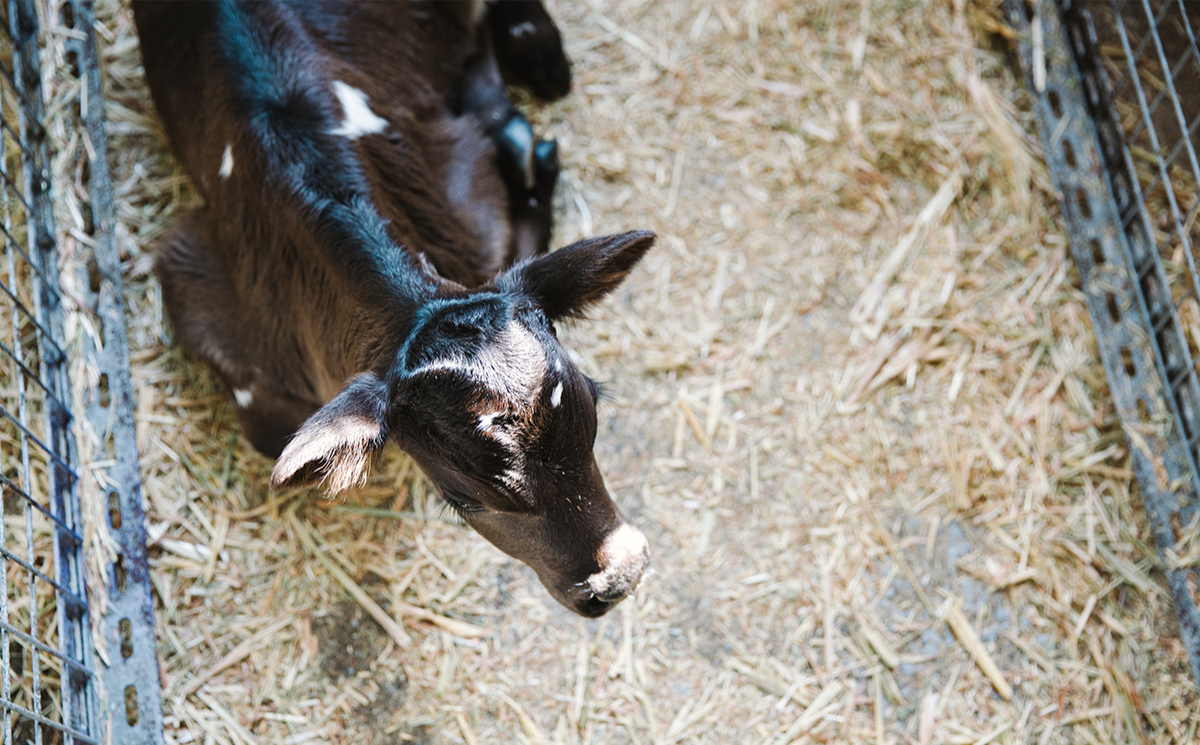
{"points": [[594, 607], [612, 596], [616, 583]]}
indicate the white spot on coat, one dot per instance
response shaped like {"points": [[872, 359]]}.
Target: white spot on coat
{"points": [[485, 421], [521, 29], [243, 396], [226, 163], [556, 395], [360, 120]]}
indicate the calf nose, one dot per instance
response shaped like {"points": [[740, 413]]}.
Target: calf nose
{"points": [[622, 558]]}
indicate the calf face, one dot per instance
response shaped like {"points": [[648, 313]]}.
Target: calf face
{"points": [[482, 395]]}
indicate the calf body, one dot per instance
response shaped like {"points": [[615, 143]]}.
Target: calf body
{"points": [[350, 276]]}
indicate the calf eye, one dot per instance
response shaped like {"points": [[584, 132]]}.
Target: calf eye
{"points": [[461, 505]]}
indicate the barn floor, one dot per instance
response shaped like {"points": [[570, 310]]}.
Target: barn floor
{"points": [[853, 403]]}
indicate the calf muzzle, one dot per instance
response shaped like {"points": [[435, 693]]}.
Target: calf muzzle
{"points": [[623, 558]]}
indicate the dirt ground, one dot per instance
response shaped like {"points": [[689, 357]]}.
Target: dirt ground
{"points": [[852, 399]]}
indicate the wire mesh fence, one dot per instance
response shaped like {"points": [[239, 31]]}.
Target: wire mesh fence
{"points": [[1117, 98], [46, 676], [56, 626], [1148, 52]]}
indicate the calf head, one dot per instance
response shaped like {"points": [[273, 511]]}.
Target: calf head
{"points": [[488, 403]]}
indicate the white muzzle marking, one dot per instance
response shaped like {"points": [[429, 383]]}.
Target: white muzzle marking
{"points": [[622, 557]]}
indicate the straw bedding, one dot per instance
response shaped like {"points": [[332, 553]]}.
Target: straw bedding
{"points": [[853, 400]]}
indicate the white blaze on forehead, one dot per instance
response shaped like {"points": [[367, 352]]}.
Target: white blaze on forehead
{"points": [[243, 396], [226, 163], [556, 395], [513, 477], [359, 119], [488, 428], [514, 365], [455, 365]]}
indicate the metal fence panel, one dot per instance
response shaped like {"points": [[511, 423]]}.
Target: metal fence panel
{"points": [[1116, 89], [132, 695], [53, 687], [45, 654]]}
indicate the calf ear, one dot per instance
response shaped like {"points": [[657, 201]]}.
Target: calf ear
{"points": [[567, 281], [336, 443]]}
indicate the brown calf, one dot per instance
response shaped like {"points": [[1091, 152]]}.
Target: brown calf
{"points": [[367, 189]]}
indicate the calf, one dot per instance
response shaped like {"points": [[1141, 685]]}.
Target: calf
{"points": [[350, 276]]}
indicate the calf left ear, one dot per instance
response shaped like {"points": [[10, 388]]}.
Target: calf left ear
{"points": [[335, 444], [567, 281]]}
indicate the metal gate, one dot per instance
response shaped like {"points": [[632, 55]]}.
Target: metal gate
{"points": [[77, 661], [1116, 89]]}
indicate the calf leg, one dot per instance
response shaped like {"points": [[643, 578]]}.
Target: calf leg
{"points": [[529, 168], [529, 47], [203, 308], [533, 221], [269, 418]]}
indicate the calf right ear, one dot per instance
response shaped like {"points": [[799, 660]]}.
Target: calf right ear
{"points": [[336, 443]]}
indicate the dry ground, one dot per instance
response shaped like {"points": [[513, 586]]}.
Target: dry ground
{"points": [[857, 360]]}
